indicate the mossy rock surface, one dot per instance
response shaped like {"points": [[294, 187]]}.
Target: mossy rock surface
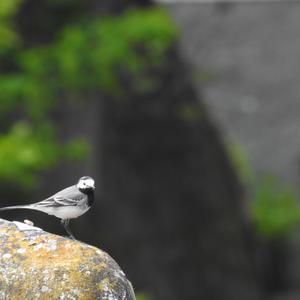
{"points": [[35, 264]]}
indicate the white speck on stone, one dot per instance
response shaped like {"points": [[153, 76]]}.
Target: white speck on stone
{"points": [[45, 289], [4, 234], [6, 256], [119, 274], [52, 245], [76, 291], [22, 226], [38, 247], [21, 250], [109, 297]]}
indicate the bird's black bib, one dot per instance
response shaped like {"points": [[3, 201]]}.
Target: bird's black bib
{"points": [[90, 195]]}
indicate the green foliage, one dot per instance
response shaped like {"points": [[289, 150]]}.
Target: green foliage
{"points": [[82, 59], [8, 37], [22, 153], [142, 296], [89, 56], [25, 152], [22, 90], [241, 163], [275, 208]]}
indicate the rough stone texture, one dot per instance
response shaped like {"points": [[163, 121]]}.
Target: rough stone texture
{"points": [[37, 265]]}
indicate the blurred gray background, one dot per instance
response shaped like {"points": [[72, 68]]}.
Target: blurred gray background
{"points": [[251, 54]]}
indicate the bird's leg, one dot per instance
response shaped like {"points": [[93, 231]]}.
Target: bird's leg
{"points": [[65, 223]]}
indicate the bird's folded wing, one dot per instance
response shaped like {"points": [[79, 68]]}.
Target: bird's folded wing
{"points": [[69, 196], [57, 201]]}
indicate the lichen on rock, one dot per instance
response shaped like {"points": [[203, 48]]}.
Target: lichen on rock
{"points": [[35, 264]]}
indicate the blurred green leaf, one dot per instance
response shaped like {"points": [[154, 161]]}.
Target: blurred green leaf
{"points": [[77, 149], [241, 164], [8, 36], [22, 153], [8, 8], [25, 151], [89, 56], [275, 208], [84, 58], [142, 296]]}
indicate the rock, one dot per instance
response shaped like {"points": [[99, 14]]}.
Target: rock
{"points": [[35, 264]]}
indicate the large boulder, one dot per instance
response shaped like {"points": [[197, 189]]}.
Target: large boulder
{"points": [[35, 264]]}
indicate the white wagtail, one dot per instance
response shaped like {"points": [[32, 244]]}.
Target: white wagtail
{"points": [[67, 204]]}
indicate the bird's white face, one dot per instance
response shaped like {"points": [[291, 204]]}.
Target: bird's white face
{"points": [[86, 182]]}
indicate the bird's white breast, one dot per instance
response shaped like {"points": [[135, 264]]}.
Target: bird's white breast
{"points": [[68, 212]]}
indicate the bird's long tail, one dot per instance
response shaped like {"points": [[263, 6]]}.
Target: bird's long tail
{"points": [[17, 207]]}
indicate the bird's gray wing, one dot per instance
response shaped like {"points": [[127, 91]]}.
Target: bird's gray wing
{"points": [[69, 196]]}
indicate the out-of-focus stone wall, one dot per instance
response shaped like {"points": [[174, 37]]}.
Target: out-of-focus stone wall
{"points": [[246, 59]]}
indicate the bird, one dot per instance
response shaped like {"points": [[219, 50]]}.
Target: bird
{"points": [[69, 203]]}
